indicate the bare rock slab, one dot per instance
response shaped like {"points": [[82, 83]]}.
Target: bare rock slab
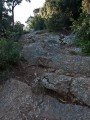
{"points": [[75, 63], [47, 50], [80, 88], [58, 83], [17, 102]]}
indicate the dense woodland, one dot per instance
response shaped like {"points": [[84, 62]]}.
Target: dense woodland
{"points": [[55, 15]]}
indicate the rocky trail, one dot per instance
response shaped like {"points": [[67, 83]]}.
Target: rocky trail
{"points": [[52, 84]]}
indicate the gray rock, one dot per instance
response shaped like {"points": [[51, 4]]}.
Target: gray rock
{"points": [[53, 38], [74, 50], [58, 83], [69, 63], [52, 43], [44, 61], [52, 46], [80, 88], [33, 52], [17, 102], [48, 52], [70, 39], [10, 91], [54, 111], [50, 56], [27, 38]]}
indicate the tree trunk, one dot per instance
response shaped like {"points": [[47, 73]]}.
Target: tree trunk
{"points": [[13, 15], [1, 9]]}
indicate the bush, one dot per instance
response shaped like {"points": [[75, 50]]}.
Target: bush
{"points": [[82, 31], [86, 48], [58, 22], [36, 23], [82, 27], [18, 28], [9, 53], [14, 32]]}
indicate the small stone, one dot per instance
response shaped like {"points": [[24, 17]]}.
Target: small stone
{"points": [[60, 71]]}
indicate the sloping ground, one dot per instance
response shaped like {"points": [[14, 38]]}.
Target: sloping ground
{"points": [[53, 85], [48, 50], [17, 102]]}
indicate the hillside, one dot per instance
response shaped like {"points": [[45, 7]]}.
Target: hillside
{"points": [[52, 83]]}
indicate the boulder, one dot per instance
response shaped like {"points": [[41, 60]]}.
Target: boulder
{"points": [[47, 51], [69, 39], [76, 64], [33, 52], [53, 110], [75, 87], [75, 50], [52, 46], [80, 88], [17, 102], [57, 83]]}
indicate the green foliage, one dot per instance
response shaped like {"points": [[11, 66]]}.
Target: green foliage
{"points": [[9, 34], [17, 31], [5, 19], [18, 27], [86, 6], [59, 13], [9, 53], [58, 22], [14, 32], [72, 7], [36, 23], [81, 28], [7, 13], [86, 48], [50, 8]]}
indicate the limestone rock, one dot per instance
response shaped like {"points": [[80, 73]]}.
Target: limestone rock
{"points": [[69, 63], [33, 52], [58, 83], [80, 88], [70, 39], [47, 51], [17, 102]]}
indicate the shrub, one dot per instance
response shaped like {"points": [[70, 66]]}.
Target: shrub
{"points": [[18, 28], [58, 22], [14, 32], [86, 48], [86, 6], [82, 31], [82, 27], [9, 53], [36, 23]]}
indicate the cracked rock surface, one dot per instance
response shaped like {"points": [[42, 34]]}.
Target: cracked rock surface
{"points": [[58, 83], [77, 87], [80, 87], [17, 102], [54, 85], [48, 45]]}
